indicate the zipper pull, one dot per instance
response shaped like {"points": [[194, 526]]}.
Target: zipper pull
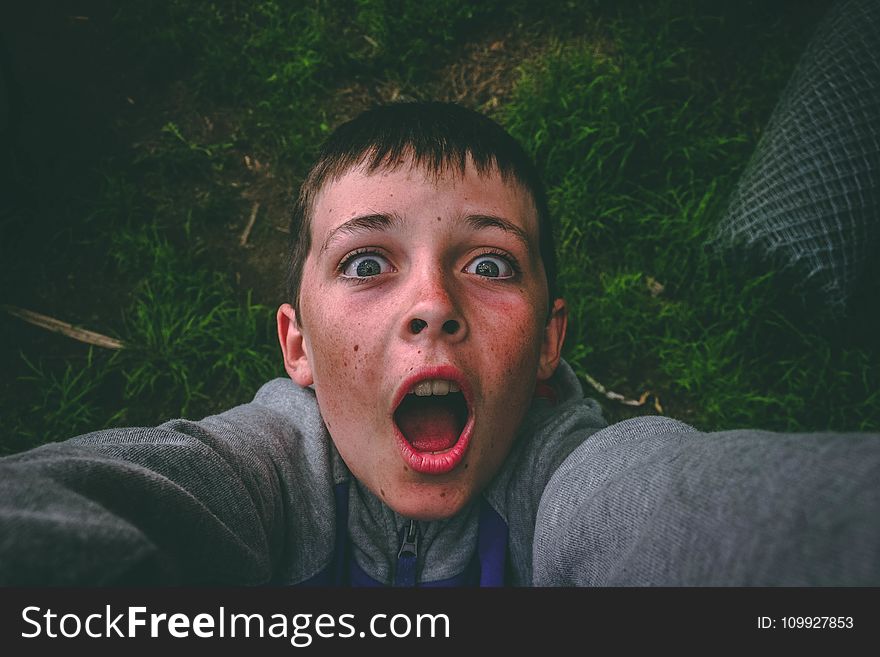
{"points": [[405, 573]]}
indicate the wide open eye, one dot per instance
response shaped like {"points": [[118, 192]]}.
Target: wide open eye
{"points": [[365, 265], [490, 266]]}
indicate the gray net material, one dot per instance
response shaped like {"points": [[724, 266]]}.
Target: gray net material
{"points": [[810, 195]]}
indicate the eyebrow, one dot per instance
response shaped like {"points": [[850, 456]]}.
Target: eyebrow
{"points": [[361, 224], [380, 222], [482, 221]]}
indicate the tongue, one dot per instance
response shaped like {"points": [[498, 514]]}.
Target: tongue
{"points": [[428, 425]]}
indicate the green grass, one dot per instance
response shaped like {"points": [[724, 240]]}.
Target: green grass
{"points": [[63, 403], [192, 345], [641, 144], [640, 115]]}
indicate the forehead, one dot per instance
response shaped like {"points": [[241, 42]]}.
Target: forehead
{"points": [[412, 192]]}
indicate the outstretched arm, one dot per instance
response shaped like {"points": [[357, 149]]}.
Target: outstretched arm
{"points": [[651, 501], [186, 502]]}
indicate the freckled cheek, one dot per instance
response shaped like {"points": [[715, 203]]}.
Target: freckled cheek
{"points": [[329, 360], [341, 348], [511, 334]]}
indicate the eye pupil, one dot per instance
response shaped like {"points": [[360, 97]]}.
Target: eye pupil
{"points": [[368, 267], [488, 268]]}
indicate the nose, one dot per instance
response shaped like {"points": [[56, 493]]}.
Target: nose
{"points": [[434, 313], [450, 326]]}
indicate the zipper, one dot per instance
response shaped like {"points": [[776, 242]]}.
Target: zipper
{"points": [[405, 573]]}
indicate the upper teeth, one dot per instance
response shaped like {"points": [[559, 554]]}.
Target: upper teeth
{"points": [[434, 387]]}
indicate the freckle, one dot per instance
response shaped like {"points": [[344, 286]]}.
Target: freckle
{"points": [[355, 347], [442, 494], [438, 218], [382, 490], [405, 469], [420, 351]]}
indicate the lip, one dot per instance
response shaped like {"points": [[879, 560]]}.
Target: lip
{"points": [[424, 462]]}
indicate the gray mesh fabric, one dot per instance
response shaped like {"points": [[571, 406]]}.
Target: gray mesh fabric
{"points": [[810, 195]]}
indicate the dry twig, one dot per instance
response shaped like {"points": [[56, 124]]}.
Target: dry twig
{"points": [[250, 224], [615, 396], [71, 331]]}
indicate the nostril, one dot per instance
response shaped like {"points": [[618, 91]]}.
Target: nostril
{"points": [[450, 326], [417, 325]]}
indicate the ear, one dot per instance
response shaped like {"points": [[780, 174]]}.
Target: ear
{"points": [[296, 359], [554, 336]]}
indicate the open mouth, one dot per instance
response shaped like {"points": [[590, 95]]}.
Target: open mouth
{"points": [[433, 422]]}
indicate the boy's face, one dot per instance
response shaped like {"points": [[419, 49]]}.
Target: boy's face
{"points": [[417, 284]]}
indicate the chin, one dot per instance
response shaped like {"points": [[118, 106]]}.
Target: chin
{"points": [[430, 501]]}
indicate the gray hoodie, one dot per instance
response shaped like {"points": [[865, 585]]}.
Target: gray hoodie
{"points": [[246, 497]]}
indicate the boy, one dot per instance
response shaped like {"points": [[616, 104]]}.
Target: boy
{"points": [[430, 433]]}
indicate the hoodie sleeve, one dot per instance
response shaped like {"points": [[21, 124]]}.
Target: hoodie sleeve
{"points": [[224, 500], [652, 501]]}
